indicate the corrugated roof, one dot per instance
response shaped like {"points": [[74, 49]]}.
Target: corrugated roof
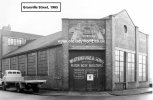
{"points": [[50, 40]]}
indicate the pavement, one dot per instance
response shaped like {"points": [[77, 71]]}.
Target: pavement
{"points": [[44, 92], [105, 93], [131, 91]]}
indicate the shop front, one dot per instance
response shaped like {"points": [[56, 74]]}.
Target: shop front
{"points": [[86, 69]]}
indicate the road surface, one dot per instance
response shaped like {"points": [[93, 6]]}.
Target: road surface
{"points": [[12, 95]]}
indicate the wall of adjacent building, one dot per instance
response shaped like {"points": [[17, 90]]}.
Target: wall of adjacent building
{"points": [[131, 41], [72, 29], [6, 48], [143, 51], [124, 40], [45, 64]]}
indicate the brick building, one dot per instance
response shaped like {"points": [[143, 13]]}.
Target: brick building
{"points": [[11, 40], [87, 55]]}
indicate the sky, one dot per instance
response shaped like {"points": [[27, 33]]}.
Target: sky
{"points": [[45, 23]]}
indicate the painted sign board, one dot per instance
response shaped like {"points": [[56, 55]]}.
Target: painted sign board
{"points": [[86, 34], [90, 77]]}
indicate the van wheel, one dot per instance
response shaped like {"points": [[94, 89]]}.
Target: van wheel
{"points": [[18, 89], [35, 89], [3, 86]]}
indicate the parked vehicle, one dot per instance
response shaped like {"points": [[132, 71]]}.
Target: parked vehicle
{"points": [[150, 83], [0, 81], [13, 78]]}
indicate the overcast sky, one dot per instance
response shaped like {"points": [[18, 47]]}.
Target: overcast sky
{"points": [[45, 23]]}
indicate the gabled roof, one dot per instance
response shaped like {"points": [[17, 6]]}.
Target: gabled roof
{"points": [[19, 34], [50, 40], [123, 12], [115, 15]]}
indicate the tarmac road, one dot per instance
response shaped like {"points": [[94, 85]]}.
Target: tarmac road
{"points": [[12, 95]]}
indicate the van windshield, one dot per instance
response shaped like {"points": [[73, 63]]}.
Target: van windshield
{"points": [[9, 72]]}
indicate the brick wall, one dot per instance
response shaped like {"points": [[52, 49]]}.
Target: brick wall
{"points": [[109, 56], [122, 39], [143, 50], [65, 27], [131, 41], [56, 68], [44, 64], [142, 43]]}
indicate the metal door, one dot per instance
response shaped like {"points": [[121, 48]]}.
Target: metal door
{"points": [[91, 79]]}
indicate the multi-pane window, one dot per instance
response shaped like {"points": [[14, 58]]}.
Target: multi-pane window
{"points": [[119, 66], [131, 67], [42, 63], [142, 68], [31, 64], [16, 41]]}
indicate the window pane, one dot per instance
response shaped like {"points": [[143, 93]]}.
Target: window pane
{"points": [[117, 58], [11, 42], [20, 41], [121, 64], [117, 69], [144, 59], [15, 41], [133, 58], [140, 59], [132, 65], [121, 58], [121, 53], [140, 66], [129, 59], [116, 52], [116, 64], [129, 55], [129, 65]]}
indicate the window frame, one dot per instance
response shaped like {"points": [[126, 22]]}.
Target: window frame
{"points": [[131, 67], [120, 69], [143, 69], [14, 41]]}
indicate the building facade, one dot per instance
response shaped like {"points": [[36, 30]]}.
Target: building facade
{"points": [[11, 40], [88, 55]]}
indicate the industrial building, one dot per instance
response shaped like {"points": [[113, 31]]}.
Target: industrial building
{"points": [[87, 55], [12, 40]]}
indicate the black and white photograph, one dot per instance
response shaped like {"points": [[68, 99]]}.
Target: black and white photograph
{"points": [[76, 50]]}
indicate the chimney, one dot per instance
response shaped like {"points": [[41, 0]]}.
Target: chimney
{"points": [[8, 28]]}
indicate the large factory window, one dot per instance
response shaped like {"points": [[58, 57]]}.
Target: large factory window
{"points": [[16, 41], [131, 67], [119, 66], [42, 63], [142, 68], [22, 64], [31, 64]]}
